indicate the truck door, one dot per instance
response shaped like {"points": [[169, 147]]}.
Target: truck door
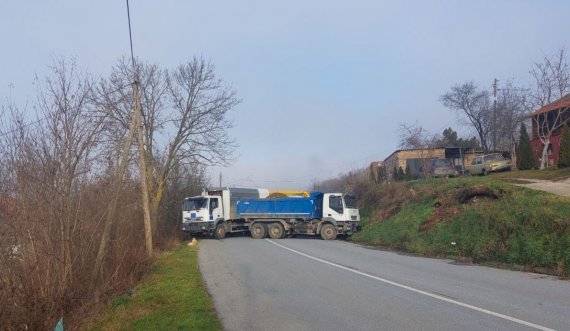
{"points": [[215, 209], [334, 208]]}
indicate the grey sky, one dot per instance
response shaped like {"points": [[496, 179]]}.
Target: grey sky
{"points": [[324, 84]]}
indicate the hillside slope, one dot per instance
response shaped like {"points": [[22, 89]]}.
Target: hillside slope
{"points": [[480, 219]]}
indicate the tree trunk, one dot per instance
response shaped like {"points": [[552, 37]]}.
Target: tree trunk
{"points": [[156, 200], [544, 159]]}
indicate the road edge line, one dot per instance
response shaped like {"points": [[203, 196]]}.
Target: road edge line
{"points": [[415, 290]]}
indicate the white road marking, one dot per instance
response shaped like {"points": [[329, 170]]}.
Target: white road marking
{"points": [[409, 288]]}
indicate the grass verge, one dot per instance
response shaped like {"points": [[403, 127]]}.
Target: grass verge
{"points": [[172, 297], [499, 223]]}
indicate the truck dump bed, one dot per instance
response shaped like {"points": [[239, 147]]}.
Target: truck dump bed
{"points": [[305, 208]]}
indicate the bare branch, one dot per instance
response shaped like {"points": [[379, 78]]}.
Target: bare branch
{"points": [[475, 105]]}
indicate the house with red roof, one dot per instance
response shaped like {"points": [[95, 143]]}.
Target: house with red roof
{"points": [[547, 122]]}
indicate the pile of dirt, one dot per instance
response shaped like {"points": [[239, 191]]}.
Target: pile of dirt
{"points": [[390, 199], [451, 204], [440, 214]]}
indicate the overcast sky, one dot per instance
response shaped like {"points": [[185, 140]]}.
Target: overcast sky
{"points": [[324, 84]]}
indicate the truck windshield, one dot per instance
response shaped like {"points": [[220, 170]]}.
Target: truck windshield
{"points": [[350, 201], [194, 204]]}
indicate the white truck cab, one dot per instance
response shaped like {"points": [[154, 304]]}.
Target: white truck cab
{"points": [[201, 214], [340, 207]]}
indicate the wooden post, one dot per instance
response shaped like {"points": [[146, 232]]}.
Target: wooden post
{"points": [[142, 168]]}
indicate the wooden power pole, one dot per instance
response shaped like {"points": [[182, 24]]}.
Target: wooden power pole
{"points": [[495, 113], [142, 167], [117, 184]]}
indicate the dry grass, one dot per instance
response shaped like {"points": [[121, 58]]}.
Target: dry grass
{"points": [[554, 174]]}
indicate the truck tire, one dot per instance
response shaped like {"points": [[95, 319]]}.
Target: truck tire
{"points": [[484, 172], [258, 230], [328, 232], [220, 231], [276, 230]]}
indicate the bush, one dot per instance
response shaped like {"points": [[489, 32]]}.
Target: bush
{"points": [[564, 153], [401, 175], [525, 158]]}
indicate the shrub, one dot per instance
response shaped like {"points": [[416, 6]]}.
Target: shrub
{"points": [[564, 153], [524, 152], [401, 175]]}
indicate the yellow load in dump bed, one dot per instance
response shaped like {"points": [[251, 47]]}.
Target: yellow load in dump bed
{"points": [[287, 194]]}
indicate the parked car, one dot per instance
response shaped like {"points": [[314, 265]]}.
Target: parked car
{"points": [[441, 168], [485, 164]]}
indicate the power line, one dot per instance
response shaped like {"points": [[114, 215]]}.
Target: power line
{"points": [[2, 134], [5, 133], [130, 34], [137, 124]]}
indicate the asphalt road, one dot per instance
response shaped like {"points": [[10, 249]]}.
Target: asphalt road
{"points": [[312, 284]]}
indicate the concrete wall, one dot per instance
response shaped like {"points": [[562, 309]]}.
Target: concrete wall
{"points": [[398, 158]]}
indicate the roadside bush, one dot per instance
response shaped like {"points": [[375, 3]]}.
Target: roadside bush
{"points": [[58, 178], [525, 158], [564, 153]]}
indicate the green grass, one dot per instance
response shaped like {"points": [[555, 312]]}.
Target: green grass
{"points": [[521, 227], [399, 231], [173, 297]]}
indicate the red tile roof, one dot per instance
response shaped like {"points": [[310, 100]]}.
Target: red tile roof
{"points": [[558, 104]]}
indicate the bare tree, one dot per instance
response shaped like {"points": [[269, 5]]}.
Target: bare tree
{"points": [[50, 162], [510, 112], [184, 114], [414, 136], [475, 104], [551, 83], [59, 176], [65, 147]]}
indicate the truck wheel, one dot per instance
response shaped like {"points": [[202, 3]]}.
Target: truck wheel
{"points": [[276, 230], [258, 230], [220, 232], [484, 172], [328, 232]]}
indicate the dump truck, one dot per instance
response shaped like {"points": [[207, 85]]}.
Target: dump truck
{"points": [[231, 210]]}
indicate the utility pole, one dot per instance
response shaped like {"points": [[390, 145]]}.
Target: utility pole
{"points": [[495, 113], [11, 86], [137, 118], [135, 125], [117, 180], [142, 167], [139, 125], [220, 179]]}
